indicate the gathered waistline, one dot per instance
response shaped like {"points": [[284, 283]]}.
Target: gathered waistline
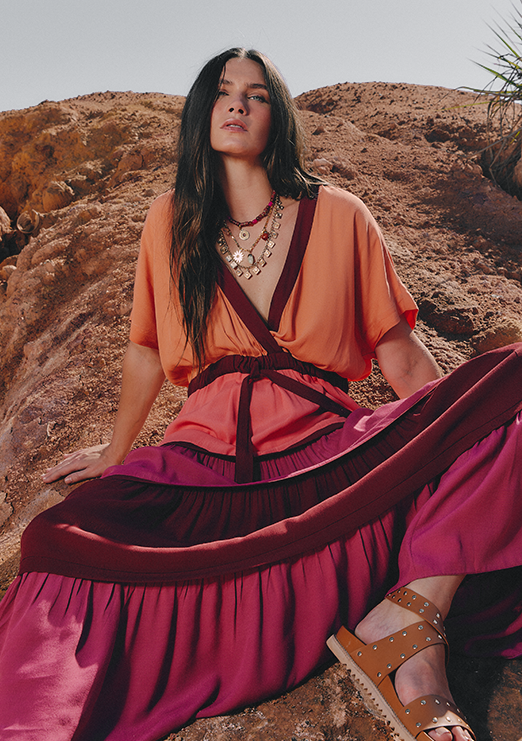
{"points": [[251, 365], [266, 366]]}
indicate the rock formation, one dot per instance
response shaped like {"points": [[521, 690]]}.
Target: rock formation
{"points": [[90, 168]]}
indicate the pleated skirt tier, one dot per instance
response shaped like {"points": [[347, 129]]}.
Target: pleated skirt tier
{"points": [[165, 591]]}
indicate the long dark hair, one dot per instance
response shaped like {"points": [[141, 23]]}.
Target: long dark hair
{"points": [[198, 204]]}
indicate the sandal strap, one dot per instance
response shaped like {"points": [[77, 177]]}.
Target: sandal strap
{"points": [[430, 712], [380, 658], [419, 605]]}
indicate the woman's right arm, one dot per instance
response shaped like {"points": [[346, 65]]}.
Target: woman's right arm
{"points": [[142, 379]]}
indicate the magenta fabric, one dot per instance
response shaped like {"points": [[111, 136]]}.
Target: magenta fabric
{"points": [[89, 660], [165, 591], [83, 660], [137, 533]]}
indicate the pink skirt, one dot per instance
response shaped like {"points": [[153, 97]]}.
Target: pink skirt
{"points": [[90, 659]]}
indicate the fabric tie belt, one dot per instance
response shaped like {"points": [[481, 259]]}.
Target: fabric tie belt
{"points": [[256, 368]]}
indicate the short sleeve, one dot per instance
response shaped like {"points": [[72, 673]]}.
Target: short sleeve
{"points": [[381, 298], [144, 330], [347, 295]]}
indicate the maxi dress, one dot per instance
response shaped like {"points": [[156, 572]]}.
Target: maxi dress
{"points": [[198, 578]]}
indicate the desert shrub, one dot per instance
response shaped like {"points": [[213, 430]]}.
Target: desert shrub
{"points": [[500, 160]]}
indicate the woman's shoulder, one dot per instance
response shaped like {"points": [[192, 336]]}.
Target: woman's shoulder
{"points": [[156, 234], [158, 224], [333, 198], [161, 206]]}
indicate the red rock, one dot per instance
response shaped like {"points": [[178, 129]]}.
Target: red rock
{"points": [[57, 195], [64, 309], [5, 223]]}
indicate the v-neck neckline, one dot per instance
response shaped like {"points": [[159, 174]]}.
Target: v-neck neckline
{"points": [[300, 237]]}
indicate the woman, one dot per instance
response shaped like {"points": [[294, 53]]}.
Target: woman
{"points": [[201, 576]]}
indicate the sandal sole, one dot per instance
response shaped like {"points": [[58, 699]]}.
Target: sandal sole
{"points": [[374, 699]]}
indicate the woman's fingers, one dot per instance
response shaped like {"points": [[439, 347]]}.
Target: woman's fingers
{"points": [[81, 464], [90, 472]]}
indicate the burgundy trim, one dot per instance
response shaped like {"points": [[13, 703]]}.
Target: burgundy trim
{"points": [[264, 366], [308, 440], [238, 298], [273, 361], [72, 538], [245, 309], [313, 437], [244, 448], [294, 260]]}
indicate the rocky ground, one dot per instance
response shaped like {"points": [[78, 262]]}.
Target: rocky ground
{"points": [[91, 167]]}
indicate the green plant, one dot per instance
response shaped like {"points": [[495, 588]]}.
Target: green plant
{"points": [[504, 93]]}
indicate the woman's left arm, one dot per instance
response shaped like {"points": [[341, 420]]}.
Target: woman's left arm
{"points": [[404, 361]]}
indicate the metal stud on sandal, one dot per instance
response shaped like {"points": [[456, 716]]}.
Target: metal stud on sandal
{"points": [[370, 666]]}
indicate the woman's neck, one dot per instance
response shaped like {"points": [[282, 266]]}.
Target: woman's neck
{"points": [[247, 190]]}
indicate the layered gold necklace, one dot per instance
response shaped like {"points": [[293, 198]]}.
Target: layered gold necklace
{"points": [[242, 260]]}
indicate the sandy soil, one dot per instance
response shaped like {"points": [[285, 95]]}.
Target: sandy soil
{"points": [[411, 152]]}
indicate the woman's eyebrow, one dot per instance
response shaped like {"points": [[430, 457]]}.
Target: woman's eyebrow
{"points": [[255, 85]]}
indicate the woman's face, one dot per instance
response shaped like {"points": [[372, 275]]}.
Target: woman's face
{"points": [[241, 116]]}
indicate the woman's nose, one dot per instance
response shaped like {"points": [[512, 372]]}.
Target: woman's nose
{"points": [[238, 105]]}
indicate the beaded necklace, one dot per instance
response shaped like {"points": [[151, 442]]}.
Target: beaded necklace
{"points": [[253, 266], [242, 251], [244, 234]]}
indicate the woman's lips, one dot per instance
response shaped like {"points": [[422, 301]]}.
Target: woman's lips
{"points": [[235, 125]]}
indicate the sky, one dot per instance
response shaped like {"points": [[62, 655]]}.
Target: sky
{"points": [[58, 49]]}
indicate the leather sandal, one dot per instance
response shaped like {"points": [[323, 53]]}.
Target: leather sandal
{"points": [[370, 666]]}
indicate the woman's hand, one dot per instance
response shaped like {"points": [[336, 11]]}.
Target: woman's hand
{"points": [[142, 379], [87, 463]]}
